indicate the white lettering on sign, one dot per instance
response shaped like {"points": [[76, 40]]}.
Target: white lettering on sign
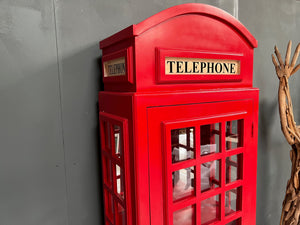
{"points": [[115, 67], [194, 66]]}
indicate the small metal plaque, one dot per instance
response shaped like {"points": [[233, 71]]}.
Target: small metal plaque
{"points": [[115, 67], [197, 66]]}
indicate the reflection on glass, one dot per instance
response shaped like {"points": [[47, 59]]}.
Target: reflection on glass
{"points": [[210, 138], [235, 222], [210, 175], [232, 201], [118, 138], [109, 207], [119, 182], [233, 168], [106, 128], [183, 183], [121, 216], [185, 216], [234, 134], [182, 142], [210, 210]]}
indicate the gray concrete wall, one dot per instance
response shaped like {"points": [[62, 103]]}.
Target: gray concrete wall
{"points": [[49, 79]]}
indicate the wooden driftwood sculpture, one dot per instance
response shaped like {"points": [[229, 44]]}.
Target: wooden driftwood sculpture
{"points": [[290, 214]]}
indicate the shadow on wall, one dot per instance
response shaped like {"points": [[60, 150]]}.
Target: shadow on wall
{"points": [[99, 62], [81, 75], [81, 82], [273, 171], [267, 113]]}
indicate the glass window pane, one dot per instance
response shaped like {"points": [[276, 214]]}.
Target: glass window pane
{"points": [[183, 183], [234, 134], [107, 222], [235, 222], [121, 214], [210, 138], [210, 175], [185, 216], [118, 141], [210, 210], [107, 173], [106, 134], [233, 168], [182, 141], [119, 181], [232, 201], [109, 207]]}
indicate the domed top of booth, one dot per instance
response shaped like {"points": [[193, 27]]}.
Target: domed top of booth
{"points": [[189, 46], [178, 10]]}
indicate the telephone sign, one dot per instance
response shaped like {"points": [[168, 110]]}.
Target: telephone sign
{"points": [[201, 66]]}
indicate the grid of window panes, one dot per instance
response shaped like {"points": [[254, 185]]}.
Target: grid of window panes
{"points": [[206, 167], [113, 172]]}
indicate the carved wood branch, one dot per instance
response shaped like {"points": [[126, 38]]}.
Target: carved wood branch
{"points": [[284, 71], [290, 214]]}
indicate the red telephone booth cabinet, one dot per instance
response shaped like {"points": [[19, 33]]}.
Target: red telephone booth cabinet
{"points": [[178, 120]]}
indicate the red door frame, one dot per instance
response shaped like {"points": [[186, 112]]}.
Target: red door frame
{"points": [[109, 162], [243, 109]]}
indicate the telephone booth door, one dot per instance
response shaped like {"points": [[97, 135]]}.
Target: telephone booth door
{"points": [[198, 172], [114, 145]]}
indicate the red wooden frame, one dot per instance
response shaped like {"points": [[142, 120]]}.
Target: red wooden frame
{"points": [[141, 151], [172, 206], [107, 123]]}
